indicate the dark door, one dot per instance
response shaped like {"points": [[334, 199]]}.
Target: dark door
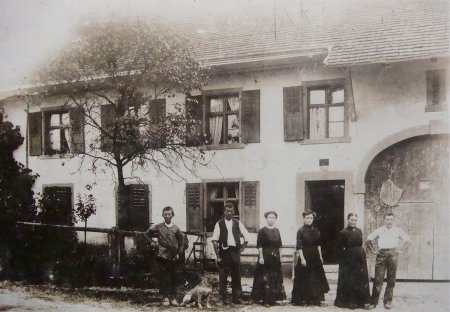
{"points": [[326, 199]]}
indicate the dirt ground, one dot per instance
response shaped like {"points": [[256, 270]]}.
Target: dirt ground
{"points": [[408, 296]]}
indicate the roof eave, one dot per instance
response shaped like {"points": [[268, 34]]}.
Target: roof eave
{"points": [[249, 62], [384, 61]]}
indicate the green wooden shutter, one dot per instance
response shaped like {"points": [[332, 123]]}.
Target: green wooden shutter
{"points": [[250, 204], [157, 116], [77, 130], [250, 116], [293, 113], [194, 127], [194, 207], [107, 115], [35, 133]]}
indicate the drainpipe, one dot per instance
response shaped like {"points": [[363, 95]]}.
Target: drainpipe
{"points": [[26, 133]]}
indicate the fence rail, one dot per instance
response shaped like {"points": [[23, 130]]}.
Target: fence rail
{"points": [[115, 241]]}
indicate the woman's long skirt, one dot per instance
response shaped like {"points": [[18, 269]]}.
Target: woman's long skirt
{"points": [[353, 280], [268, 283], [310, 282]]}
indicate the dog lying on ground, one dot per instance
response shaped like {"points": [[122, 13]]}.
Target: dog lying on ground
{"points": [[198, 293]]}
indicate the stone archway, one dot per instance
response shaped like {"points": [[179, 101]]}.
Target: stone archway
{"points": [[360, 174], [419, 166]]}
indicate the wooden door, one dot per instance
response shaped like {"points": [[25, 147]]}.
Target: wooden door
{"points": [[417, 220]]}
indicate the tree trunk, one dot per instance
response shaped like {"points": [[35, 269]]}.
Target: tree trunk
{"points": [[118, 240], [122, 198], [85, 231]]}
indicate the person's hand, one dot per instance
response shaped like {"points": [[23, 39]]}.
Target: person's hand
{"points": [[303, 263], [219, 260], [261, 260]]}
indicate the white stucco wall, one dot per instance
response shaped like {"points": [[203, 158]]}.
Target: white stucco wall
{"points": [[389, 99]]}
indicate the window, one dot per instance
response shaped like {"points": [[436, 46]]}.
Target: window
{"points": [[436, 90], [205, 204], [230, 118], [59, 131], [317, 112], [137, 208], [223, 119], [217, 195], [326, 112], [154, 126]]}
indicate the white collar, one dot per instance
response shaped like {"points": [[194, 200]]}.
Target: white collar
{"points": [[168, 225], [270, 227]]}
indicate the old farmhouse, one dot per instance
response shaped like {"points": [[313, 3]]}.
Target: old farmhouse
{"points": [[335, 106]]}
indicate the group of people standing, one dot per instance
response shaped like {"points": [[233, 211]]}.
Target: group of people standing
{"points": [[230, 238]]}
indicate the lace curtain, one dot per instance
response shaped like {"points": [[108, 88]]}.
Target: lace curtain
{"points": [[233, 102], [215, 122]]}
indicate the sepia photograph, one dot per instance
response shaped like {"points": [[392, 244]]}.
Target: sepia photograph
{"points": [[240, 155]]}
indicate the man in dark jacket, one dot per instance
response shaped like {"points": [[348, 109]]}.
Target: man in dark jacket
{"points": [[228, 247]]}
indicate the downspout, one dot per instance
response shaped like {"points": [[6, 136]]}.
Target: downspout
{"points": [[26, 134]]}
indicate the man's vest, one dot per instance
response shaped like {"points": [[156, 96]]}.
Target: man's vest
{"points": [[223, 237]]}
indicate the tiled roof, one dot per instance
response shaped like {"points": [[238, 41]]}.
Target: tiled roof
{"points": [[353, 31]]}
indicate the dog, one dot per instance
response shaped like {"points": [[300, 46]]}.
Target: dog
{"points": [[198, 293]]}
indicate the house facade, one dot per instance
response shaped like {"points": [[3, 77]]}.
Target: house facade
{"points": [[308, 112]]}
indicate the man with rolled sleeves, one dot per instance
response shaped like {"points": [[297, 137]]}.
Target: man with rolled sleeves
{"points": [[226, 240], [391, 242]]}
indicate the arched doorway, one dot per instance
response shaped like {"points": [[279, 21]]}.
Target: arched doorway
{"points": [[420, 167]]}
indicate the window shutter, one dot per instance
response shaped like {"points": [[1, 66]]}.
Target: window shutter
{"points": [[250, 116], [206, 131], [35, 133], [436, 90], [250, 197], [157, 115], [194, 127], [194, 207], [62, 211], [77, 130], [107, 115], [293, 113], [138, 207]]}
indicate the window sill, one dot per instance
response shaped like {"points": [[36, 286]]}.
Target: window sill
{"points": [[436, 108], [326, 141], [223, 146], [56, 156]]}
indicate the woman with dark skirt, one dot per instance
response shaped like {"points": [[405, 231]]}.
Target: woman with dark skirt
{"points": [[268, 284], [353, 281], [310, 282]]}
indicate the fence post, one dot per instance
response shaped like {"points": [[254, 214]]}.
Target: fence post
{"points": [[114, 254]]}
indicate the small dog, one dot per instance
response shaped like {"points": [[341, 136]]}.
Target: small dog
{"points": [[198, 293]]}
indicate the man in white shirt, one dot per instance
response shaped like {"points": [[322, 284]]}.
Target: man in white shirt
{"points": [[226, 240], [391, 241]]}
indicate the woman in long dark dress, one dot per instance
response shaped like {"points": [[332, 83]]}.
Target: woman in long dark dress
{"points": [[310, 282], [268, 285], [353, 281]]}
